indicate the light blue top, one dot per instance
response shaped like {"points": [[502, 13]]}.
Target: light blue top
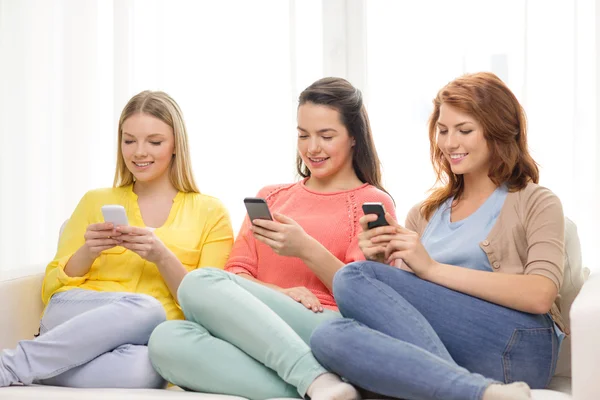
{"points": [[457, 243]]}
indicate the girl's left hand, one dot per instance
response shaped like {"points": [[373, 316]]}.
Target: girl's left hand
{"points": [[143, 242], [283, 235], [407, 247]]}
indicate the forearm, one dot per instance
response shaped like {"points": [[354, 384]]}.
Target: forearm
{"points": [[321, 262], [253, 279], [172, 271], [527, 293], [80, 262]]}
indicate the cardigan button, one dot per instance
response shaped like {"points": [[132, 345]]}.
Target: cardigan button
{"points": [[496, 265]]}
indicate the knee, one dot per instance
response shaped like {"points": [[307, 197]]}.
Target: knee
{"points": [[163, 344], [198, 283], [146, 311], [171, 340], [348, 280]]}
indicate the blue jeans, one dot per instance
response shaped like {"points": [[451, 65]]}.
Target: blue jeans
{"points": [[89, 339], [409, 338]]}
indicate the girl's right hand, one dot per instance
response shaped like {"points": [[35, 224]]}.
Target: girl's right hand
{"points": [[304, 296], [100, 237], [373, 242]]}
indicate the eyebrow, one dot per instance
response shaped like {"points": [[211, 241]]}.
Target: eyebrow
{"points": [[151, 135], [319, 131], [457, 125]]}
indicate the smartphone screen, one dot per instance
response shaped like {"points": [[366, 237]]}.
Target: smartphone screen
{"points": [[257, 208], [379, 210]]}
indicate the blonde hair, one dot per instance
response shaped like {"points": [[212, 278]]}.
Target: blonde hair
{"points": [[159, 105]]}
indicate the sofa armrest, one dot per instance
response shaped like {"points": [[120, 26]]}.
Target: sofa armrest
{"points": [[20, 309], [585, 345]]}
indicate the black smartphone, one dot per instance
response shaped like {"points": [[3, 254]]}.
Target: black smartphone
{"points": [[377, 209], [257, 208]]}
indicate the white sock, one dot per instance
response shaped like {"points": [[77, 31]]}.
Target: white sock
{"points": [[512, 391], [330, 387]]}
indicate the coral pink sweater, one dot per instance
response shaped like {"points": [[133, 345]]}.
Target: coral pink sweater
{"points": [[330, 218]]}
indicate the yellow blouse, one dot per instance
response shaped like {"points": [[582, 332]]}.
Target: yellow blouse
{"points": [[198, 231]]}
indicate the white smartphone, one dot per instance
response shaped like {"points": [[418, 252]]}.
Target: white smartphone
{"points": [[115, 213]]}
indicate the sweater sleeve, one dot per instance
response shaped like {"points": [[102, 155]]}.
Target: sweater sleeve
{"points": [[354, 253], [414, 219], [217, 243], [244, 255], [545, 232], [71, 239]]}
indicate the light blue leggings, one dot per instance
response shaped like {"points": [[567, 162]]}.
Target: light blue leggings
{"points": [[89, 339]]}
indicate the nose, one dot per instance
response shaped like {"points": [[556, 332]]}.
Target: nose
{"points": [[451, 141], [140, 150], [313, 145]]}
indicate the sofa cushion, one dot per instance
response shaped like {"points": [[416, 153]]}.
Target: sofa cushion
{"points": [[574, 277], [53, 392]]}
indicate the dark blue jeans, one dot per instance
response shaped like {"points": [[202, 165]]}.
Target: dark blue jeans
{"points": [[409, 338]]}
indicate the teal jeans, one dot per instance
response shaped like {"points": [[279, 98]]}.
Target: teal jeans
{"points": [[239, 338]]}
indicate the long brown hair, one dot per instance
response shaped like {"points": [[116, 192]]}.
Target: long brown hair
{"points": [[340, 95], [487, 99], [159, 105]]}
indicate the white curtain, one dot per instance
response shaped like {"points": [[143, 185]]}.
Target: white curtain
{"points": [[67, 67], [546, 51]]}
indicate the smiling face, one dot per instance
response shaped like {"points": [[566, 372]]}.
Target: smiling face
{"points": [[324, 143], [147, 147], [460, 138]]}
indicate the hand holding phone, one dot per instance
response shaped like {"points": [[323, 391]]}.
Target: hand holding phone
{"points": [[377, 209], [257, 208], [115, 214]]}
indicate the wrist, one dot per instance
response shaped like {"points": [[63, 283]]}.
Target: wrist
{"points": [[432, 272], [88, 255], [309, 249], [165, 257]]}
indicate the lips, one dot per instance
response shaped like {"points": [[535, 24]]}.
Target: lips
{"points": [[457, 157], [144, 164], [317, 160]]}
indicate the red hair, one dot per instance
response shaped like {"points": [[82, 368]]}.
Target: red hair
{"points": [[486, 98]]}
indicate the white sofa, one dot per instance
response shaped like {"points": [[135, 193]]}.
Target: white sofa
{"points": [[21, 308]]}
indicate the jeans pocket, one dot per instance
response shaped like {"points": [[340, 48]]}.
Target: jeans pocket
{"points": [[530, 356]]}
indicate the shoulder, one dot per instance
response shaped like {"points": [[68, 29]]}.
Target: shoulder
{"points": [[204, 200], [534, 197], [415, 220], [370, 193], [273, 190], [104, 195]]}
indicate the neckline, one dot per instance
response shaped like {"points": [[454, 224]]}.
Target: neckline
{"points": [[138, 213], [493, 197], [303, 186]]}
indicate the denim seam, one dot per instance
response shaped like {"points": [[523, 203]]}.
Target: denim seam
{"points": [[505, 358], [506, 363], [554, 356], [371, 282]]}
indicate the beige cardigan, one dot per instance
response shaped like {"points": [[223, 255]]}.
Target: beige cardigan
{"points": [[527, 238]]}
